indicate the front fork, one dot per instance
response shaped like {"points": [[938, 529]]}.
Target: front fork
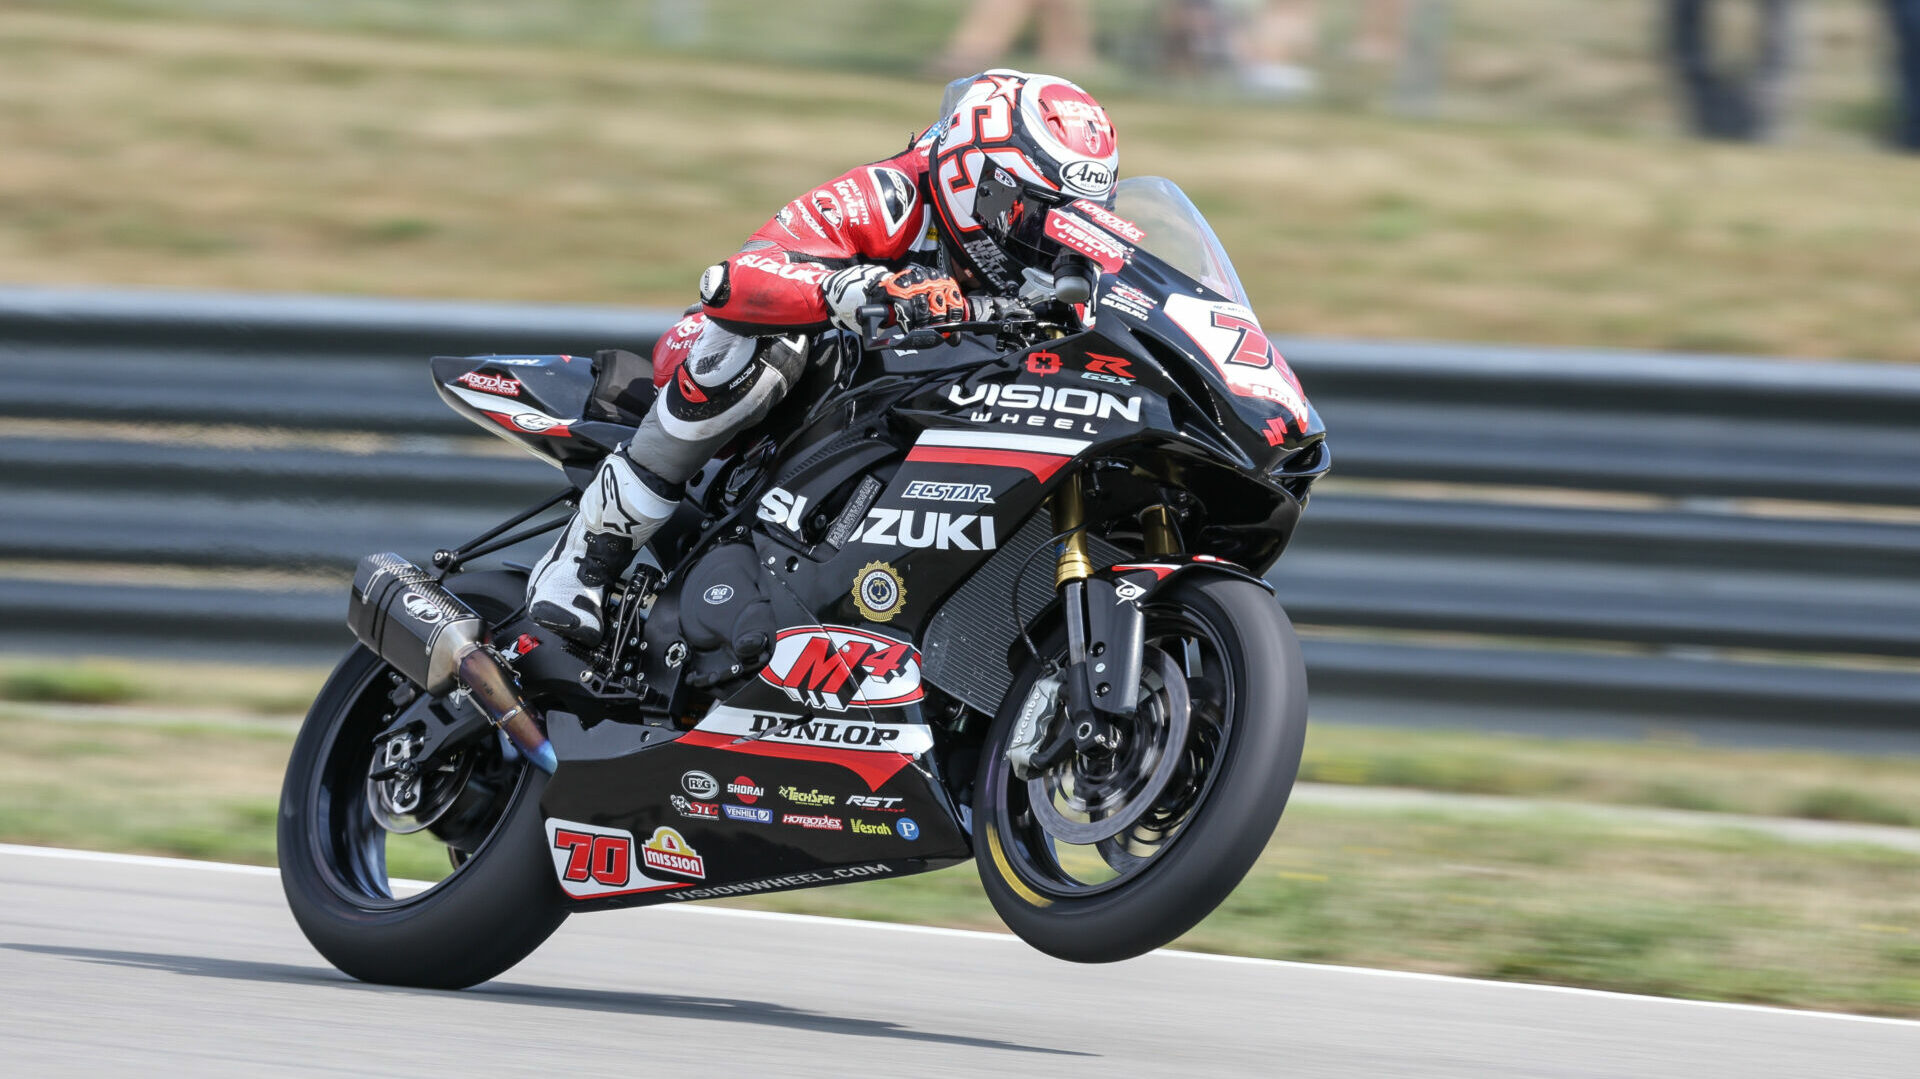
{"points": [[1105, 637]]}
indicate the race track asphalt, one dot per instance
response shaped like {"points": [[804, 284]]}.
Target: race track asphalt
{"points": [[118, 966]]}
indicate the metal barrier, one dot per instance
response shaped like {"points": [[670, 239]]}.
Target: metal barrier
{"points": [[1508, 528]]}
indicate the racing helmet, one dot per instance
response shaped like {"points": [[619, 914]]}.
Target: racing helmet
{"points": [[1012, 146]]}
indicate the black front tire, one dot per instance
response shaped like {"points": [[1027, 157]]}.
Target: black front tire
{"points": [[1253, 773], [497, 906]]}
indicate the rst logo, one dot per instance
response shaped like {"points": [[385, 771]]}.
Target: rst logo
{"points": [[784, 508], [921, 529], [836, 667], [1023, 404], [973, 494], [876, 803]]}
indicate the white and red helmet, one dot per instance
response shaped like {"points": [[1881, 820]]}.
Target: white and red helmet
{"points": [[1035, 141]]}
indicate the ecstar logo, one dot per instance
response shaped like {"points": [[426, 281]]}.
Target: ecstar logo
{"points": [[976, 494]]}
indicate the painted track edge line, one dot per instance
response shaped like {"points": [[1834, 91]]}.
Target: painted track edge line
{"points": [[161, 862]]}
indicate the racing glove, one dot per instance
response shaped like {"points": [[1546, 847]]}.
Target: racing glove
{"points": [[916, 296]]}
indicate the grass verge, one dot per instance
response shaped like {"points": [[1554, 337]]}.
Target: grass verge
{"points": [[1708, 913], [234, 147]]}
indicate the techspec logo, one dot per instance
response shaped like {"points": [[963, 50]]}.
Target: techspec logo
{"points": [[837, 667]]}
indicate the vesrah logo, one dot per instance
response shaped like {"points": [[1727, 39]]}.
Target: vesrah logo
{"points": [[1023, 404]]}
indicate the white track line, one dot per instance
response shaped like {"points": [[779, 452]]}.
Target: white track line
{"points": [[63, 854]]}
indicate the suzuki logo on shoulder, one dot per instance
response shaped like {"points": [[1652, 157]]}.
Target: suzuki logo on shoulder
{"points": [[925, 528]]}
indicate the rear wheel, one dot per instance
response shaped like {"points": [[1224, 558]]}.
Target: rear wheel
{"points": [[497, 904], [1103, 858]]}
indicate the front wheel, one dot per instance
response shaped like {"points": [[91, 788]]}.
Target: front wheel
{"points": [[497, 905], [1102, 859]]}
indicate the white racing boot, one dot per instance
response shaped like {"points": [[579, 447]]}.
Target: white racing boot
{"points": [[618, 512]]}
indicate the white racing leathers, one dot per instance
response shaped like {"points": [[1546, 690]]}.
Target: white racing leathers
{"points": [[729, 382]]}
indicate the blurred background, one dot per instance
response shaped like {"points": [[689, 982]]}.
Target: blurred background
{"points": [[1612, 602]]}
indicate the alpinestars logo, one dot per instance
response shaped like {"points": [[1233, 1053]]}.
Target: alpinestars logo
{"points": [[837, 667], [925, 528]]}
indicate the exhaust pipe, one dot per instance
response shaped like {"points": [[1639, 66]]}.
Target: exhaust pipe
{"points": [[401, 612]]}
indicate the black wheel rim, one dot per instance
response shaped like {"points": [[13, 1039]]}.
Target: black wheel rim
{"points": [[348, 844], [1057, 870]]}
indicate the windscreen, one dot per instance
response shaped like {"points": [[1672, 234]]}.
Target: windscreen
{"points": [[1177, 234]]}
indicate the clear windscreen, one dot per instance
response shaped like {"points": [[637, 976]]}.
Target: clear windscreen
{"points": [[1177, 234]]}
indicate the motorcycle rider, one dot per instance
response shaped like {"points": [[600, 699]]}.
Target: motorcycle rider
{"points": [[906, 232]]}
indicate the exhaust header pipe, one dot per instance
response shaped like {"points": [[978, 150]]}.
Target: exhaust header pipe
{"points": [[399, 611]]}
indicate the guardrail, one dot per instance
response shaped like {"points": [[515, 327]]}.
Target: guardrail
{"points": [[1509, 528]]}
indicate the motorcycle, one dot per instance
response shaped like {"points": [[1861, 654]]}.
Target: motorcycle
{"points": [[990, 591]]}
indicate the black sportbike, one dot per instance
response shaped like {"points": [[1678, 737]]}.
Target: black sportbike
{"points": [[989, 591]]}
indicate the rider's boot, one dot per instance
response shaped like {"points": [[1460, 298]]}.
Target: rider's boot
{"points": [[728, 383], [619, 511]]}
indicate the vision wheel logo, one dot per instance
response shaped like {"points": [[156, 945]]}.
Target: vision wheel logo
{"points": [[879, 592]]}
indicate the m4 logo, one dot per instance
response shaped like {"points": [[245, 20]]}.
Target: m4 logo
{"points": [[837, 667]]}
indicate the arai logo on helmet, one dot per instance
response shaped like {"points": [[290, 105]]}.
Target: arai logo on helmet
{"points": [[1088, 178]]}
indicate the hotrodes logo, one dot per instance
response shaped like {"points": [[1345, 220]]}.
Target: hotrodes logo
{"points": [[925, 528], [1024, 404], [500, 385], [837, 667], [668, 851], [810, 820]]}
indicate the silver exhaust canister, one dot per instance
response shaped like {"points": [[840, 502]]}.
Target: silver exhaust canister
{"points": [[400, 611]]}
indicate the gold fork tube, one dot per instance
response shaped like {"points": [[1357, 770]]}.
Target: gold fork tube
{"points": [[1157, 529], [1070, 512]]}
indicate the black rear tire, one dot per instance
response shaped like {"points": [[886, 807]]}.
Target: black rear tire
{"points": [[1252, 773], [497, 906]]}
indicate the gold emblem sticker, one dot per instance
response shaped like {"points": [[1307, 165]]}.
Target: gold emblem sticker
{"points": [[879, 592]]}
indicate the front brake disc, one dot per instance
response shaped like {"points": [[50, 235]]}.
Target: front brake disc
{"points": [[1135, 795]]}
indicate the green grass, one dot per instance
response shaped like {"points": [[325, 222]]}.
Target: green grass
{"points": [[536, 154], [1580, 900], [1765, 782]]}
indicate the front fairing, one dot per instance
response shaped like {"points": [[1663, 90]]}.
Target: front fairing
{"points": [[1211, 346]]}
